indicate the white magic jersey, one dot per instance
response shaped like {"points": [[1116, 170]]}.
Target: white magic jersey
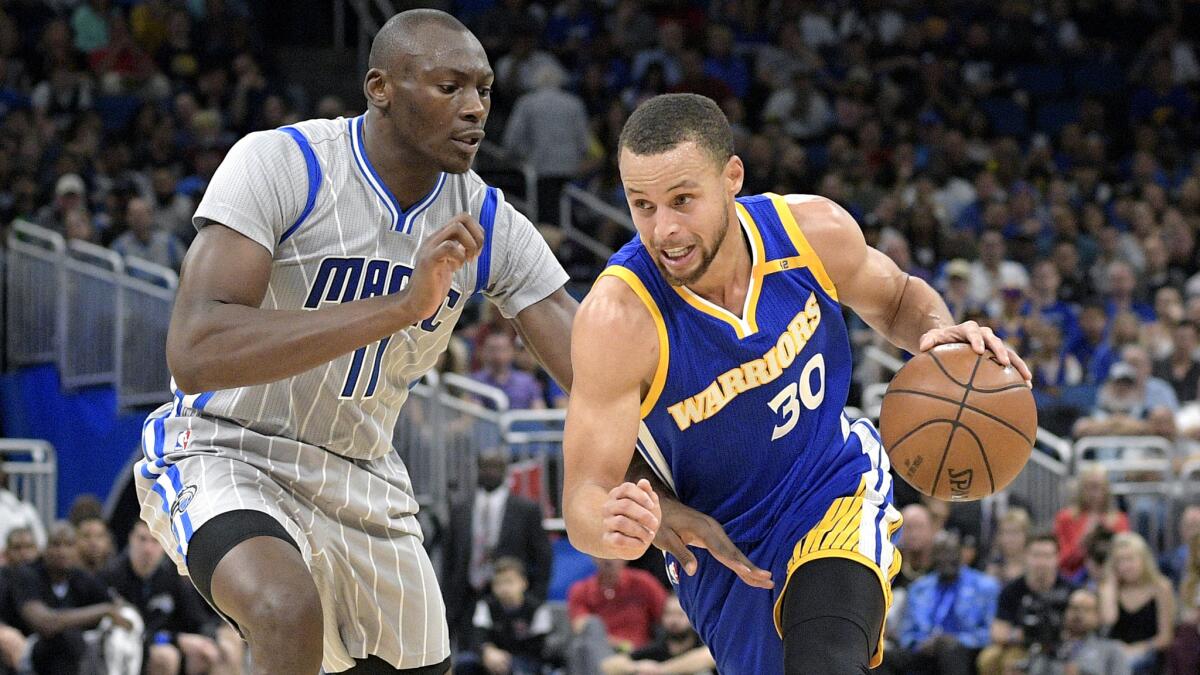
{"points": [[309, 194]]}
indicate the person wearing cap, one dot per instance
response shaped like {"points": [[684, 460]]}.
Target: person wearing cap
{"points": [[992, 271], [1005, 311], [70, 194], [956, 288], [1131, 402]]}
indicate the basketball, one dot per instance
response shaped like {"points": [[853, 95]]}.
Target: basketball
{"points": [[957, 425]]}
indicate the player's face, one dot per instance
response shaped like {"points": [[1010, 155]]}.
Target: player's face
{"points": [[439, 101], [681, 201]]}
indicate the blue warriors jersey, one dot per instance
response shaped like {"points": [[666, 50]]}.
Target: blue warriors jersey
{"points": [[744, 421]]}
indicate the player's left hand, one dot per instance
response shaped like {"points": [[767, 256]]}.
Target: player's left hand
{"points": [[683, 526], [981, 339]]}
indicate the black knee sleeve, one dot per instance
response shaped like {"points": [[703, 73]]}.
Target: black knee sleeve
{"points": [[373, 665], [218, 536], [833, 612]]}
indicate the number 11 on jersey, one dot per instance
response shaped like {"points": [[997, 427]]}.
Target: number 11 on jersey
{"points": [[356, 363]]}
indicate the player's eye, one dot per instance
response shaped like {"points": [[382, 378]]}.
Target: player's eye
{"points": [[682, 200], [643, 205], [485, 92], [448, 88]]}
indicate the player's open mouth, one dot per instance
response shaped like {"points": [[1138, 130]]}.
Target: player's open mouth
{"points": [[470, 140], [678, 256]]}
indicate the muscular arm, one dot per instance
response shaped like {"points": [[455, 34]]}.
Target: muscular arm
{"points": [[613, 351], [220, 336], [545, 328]]}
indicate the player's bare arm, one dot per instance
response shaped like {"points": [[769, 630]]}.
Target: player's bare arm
{"points": [[903, 308], [614, 353], [543, 327], [220, 336]]}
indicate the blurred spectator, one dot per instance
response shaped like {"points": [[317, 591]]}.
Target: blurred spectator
{"points": [[667, 55], [1029, 613], [1080, 649], [20, 547], [1044, 301], [946, 615], [1122, 284], [1174, 564], [95, 544], [89, 22], [1181, 369], [1137, 604], [697, 80], [615, 609], [1094, 507], [549, 128], [992, 271], [20, 550], [79, 227], [510, 626], [1007, 560], [493, 525], [957, 290], [57, 601], [517, 71], [497, 355], [176, 617], [70, 195], [146, 240], [722, 63], [1168, 312], [800, 108], [916, 545], [172, 210], [676, 649], [1091, 348], [1052, 366], [1184, 656], [1130, 405], [16, 513]]}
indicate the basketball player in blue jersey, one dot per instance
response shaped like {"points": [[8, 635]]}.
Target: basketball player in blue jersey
{"points": [[714, 342]]}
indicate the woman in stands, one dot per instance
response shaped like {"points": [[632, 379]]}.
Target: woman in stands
{"points": [[1007, 561], [1094, 507], [1185, 650], [1137, 603]]}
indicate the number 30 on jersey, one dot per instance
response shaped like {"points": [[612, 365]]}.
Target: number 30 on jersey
{"points": [[787, 402]]}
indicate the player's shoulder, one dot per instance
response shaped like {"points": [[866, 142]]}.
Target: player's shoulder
{"points": [[317, 131]]}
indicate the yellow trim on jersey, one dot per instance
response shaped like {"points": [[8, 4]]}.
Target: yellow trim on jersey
{"points": [[664, 350], [803, 249], [746, 324], [837, 536]]}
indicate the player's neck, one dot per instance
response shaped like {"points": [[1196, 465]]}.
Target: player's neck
{"points": [[728, 277], [409, 181]]}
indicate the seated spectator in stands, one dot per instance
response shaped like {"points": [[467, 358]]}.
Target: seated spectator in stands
{"points": [[1182, 369], [178, 622], [946, 615], [799, 107], [992, 271], [1006, 561], [1043, 300], [1184, 655], [1129, 405], [20, 548], [1091, 347], [1158, 335], [1174, 563], [510, 627], [16, 513], [676, 649], [1098, 545], [493, 525], [1122, 285], [1029, 613], [145, 240], [1080, 649], [1137, 604], [57, 601], [13, 643], [498, 356], [95, 544], [172, 209], [616, 609], [1052, 366], [956, 289], [916, 545], [1094, 507], [80, 227], [70, 194], [1007, 319]]}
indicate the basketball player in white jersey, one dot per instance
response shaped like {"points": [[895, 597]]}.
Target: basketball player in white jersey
{"points": [[333, 260]]}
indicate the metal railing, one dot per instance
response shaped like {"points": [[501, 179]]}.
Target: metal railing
{"points": [[32, 469], [102, 319], [596, 210], [503, 171]]}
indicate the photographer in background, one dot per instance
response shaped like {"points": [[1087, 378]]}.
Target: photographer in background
{"points": [[1081, 651], [1029, 614]]}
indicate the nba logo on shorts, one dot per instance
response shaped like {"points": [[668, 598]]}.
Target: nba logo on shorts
{"points": [[673, 572], [185, 437]]}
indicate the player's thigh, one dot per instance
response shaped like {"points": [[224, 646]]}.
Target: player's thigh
{"points": [[833, 611]]}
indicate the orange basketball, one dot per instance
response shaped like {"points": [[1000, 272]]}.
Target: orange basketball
{"points": [[958, 426]]}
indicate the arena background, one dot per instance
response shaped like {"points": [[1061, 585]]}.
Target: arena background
{"points": [[1035, 160]]}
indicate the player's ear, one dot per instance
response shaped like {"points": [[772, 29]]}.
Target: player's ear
{"points": [[734, 174], [376, 90]]}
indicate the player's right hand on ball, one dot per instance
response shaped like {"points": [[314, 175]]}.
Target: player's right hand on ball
{"points": [[631, 515], [438, 258]]}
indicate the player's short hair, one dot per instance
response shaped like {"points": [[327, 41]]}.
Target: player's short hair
{"points": [[509, 564], [665, 121], [403, 29]]}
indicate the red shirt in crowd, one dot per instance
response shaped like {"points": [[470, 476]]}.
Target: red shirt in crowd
{"points": [[1071, 526], [630, 610]]}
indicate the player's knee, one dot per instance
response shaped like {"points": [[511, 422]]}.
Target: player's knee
{"points": [[163, 660], [285, 614], [828, 645], [264, 585]]}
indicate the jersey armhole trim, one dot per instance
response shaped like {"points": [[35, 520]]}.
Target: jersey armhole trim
{"points": [[487, 220], [664, 350], [314, 178], [804, 250]]}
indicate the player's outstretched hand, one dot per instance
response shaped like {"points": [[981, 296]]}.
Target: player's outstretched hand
{"points": [[439, 257], [631, 518], [683, 526], [981, 338]]}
